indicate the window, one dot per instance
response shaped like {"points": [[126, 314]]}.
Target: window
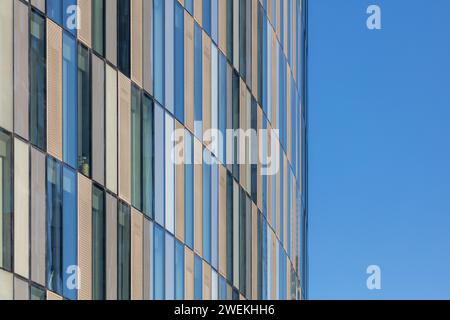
{"points": [[6, 200], [242, 241], [198, 278], [229, 227], [179, 62], [123, 252], [207, 212], [70, 111], [179, 271], [38, 80], [158, 46], [207, 16], [189, 4], [69, 185], [37, 293], [123, 36], [159, 265], [54, 226], [136, 147], [98, 244], [170, 267], [84, 111], [98, 26], [222, 108], [147, 157]]}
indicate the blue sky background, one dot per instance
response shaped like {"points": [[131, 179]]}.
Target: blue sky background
{"points": [[379, 117]]}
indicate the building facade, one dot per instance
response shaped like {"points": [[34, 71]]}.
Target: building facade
{"points": [[93, 202]]}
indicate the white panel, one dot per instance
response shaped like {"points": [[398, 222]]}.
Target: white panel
{"points": [[111, 129], [21, 207], [6, 287], [6, 64]]}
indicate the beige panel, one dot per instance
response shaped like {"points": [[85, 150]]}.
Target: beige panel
{"points": [[179, 190], [21, 290], [189, 71], [54, 90], [111, 129], [21, 208], [189, 275], [84, 33], [198, 11], [136, 255], [206, 82], [21, 81], [206, 281], [85, 237], [288, 281], [254, 262], [198, 199], [285, 26], [124, 138], [6, 287], [222, 221], [40, 4], [6, 64], [136, 41], [236, 20], [53, 296], [243, 148], [223, 25], [269, 10]]}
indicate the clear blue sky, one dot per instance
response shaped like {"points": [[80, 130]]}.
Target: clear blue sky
{"points": [[379, 124]]}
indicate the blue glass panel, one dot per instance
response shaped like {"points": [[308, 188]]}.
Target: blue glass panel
{"points": [[70, 234], [70, 15], [179, 62], [179, 271], [70, 100], [158, 46], [159, 263], [207, 212], [207, 16], [54, 10], [189, 4], [198, 278], [170, 267]]}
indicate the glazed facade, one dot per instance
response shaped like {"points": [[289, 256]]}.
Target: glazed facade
{"points": [[92, 205]]}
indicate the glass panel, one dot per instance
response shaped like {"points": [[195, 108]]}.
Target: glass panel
{"points": [[37, 293], [123, 36], [189, 4], [207, 212], [179, 62], [158, 36], [84, 111], [70, 15], [98, 244], [70, 111], [54, 226], [70, 235], [179, 271], [54, 10], [6, 200], [98, 26], [207, 16], [170, 267], [136, 147], [159, 251], [198, 278], [147, 157], [38, 80], [123, 252]]}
